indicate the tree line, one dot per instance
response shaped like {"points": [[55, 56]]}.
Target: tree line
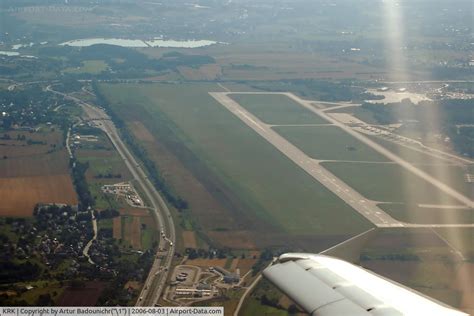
{"points": [[141, 153], [432, 117]]}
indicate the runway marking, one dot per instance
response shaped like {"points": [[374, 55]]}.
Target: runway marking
{"points": [[376, 215], [459, 253], [251, 120]]}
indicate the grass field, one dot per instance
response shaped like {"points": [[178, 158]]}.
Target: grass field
{"points": [[202, 202], [358, 112], [277, 109], [148, 232], [134, 227], [413, 256], [92, 67], [260, 184], [426, 215], [26, 144], [328, 143], [408, 154], [388, 183], [460, 238], [454, 176], [103, 161], [254, 306]]}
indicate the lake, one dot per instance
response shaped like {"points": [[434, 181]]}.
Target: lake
{"points": [[139, 43], [6, 53]]}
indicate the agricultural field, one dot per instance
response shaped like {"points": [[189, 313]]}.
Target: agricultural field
{"points": [[134, 227], [85, 295], [206, 72], [205, 263], [277, 109], [34, 169], [136, 231], [251, 181], [19, 195], [413, 256], [328, 143], [408, 256], [105, 166], [18, 144], [92, 67], [265, 299], [189, 239]]}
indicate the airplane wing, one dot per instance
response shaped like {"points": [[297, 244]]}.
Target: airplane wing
{"points": [[326, 286]]}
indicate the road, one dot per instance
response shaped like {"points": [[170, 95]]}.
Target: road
{"points": [[158, 274], [428, 81], [246, 293], [364, 207], [249, 289], [85, 251]]}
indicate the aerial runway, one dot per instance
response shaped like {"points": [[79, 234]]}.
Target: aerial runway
{"points": [[365, 207]]}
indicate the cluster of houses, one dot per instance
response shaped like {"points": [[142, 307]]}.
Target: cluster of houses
{"points": [[58, 233]]}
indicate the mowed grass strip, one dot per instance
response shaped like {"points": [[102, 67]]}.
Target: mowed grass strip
{"points": [[461, 238], [272, 187], [328, 143], [439, 168], [428, 215], [454, 176], [277, 109], [388, 183], [408, 154]]}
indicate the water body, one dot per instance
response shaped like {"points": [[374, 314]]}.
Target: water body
{"points": [[179, 44], [6, 53], [17, 54], [18, 46], [139, 43]]}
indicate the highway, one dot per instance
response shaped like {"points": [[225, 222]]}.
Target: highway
{"points": [[156, 280], [364, 207]]}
